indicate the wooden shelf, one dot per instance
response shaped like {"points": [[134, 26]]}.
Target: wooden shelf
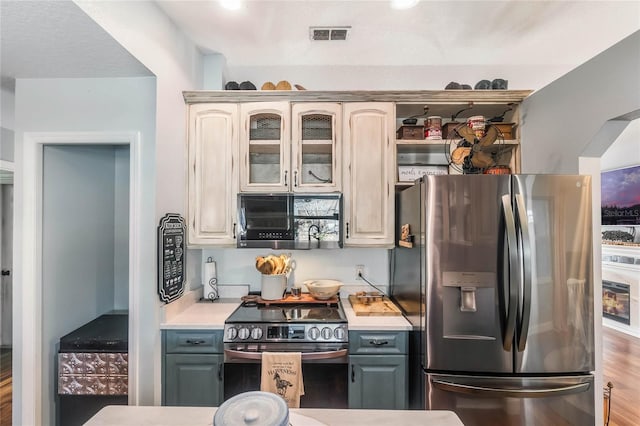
{"points": [[317, 147], [419, 98], [264, 147]]}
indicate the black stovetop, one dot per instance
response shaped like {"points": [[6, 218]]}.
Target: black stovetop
{"points": [[250, 312], [107, 333]]}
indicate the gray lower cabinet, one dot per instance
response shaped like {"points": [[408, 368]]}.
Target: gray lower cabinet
{"points": [[192, 368], [378, 370]]}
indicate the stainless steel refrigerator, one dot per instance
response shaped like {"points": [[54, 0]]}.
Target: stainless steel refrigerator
{"points": [[495, 274]]}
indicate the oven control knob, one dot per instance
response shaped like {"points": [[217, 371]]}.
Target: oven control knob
{"points": [[313, 333], [327, 334], [232, 333], [338, 333], [256, 333], [243, 333]]}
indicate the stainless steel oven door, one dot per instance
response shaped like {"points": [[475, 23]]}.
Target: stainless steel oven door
{"points": [[324, 372]]}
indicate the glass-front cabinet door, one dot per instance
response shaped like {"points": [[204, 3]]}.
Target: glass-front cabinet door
{"points": [[265, 147], [316, 147]]}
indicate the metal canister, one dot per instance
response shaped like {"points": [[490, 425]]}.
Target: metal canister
{"points": [[433, 127], [477, 123]]}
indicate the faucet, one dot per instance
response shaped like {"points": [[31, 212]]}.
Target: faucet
{"points": [[316, 235]]}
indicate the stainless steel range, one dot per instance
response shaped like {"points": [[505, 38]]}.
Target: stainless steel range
{"points": [[318, 331]]}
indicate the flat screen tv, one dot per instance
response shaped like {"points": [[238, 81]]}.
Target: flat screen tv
{"points": [[621, 206]]}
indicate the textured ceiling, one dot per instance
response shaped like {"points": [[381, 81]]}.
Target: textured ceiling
{"points": [[268, 32], [48, 39], [53, 39]]}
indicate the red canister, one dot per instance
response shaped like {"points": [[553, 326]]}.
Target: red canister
{"points": [[477, 124], [433, 127]]}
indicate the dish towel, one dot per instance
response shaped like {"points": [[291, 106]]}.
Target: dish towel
{"points": [[282, 375]]}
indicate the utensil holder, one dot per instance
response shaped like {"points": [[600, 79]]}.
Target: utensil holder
{"points": [[273, 286]]}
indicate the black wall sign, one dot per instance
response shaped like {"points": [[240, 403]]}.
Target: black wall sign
{"points": [[171, 257]]}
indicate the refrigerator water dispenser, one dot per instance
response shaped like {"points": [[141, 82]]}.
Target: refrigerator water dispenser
{"points": [[469, 305]]}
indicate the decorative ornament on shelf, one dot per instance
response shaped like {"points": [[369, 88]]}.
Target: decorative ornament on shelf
{"points": [[247, 85], [406, 239], [232, 85]]}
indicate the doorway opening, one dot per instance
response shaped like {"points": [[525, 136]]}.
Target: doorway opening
{"points": [[85, 272], [38, 235], [6, 291]]}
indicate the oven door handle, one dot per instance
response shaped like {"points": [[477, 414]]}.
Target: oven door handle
{"points": [[306, 356]]}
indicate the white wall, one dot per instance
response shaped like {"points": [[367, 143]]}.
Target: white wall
{"points": [[432, 77], [237, 266], [177, 65], [81, 105], [560, 120], [78, 245], [6, 261], [625, 150], [7, 101], [121, 228], [564, 129], [7, 105]]}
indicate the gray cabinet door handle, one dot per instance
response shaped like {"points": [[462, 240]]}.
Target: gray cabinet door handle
{"points": [[196, 342], [378, 342]]}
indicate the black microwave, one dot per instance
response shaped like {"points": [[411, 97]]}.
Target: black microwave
{"points": [[289, 221]]}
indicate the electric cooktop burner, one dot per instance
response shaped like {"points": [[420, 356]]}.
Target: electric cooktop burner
{"points": [[250, 312], [252, 323]]}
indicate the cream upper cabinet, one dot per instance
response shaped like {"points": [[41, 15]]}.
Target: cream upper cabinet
{"points": [[316, 136], [265, 137], [212, 173], [369, 173]]}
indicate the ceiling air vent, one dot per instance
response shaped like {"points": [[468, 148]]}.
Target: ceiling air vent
{"points": [[328, 33]]}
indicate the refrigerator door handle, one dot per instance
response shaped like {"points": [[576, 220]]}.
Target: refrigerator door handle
{"points": [[526, 276], [513, 290], [512, 393]]}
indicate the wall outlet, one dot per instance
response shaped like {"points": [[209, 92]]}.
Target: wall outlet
{"points": [[359, 271]]}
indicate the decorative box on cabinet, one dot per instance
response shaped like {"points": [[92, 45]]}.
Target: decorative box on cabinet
{"points": [[378, 370], [192, 368], [410, 132]]}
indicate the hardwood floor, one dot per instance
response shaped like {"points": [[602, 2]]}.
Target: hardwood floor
{"points": [[621, 361], [5, 387]]}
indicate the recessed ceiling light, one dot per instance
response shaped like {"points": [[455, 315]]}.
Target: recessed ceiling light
{"points": [[231, 4], [403, 4]]}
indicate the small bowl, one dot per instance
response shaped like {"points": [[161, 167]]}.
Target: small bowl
{"points": [[323, 289]]}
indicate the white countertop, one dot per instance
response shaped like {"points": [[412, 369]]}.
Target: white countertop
{"points": [[202, 316], [211, 316], [122, 415]]}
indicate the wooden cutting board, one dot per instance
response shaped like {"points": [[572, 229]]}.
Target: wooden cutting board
{"points": [[305, 298], [384, 307]]}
